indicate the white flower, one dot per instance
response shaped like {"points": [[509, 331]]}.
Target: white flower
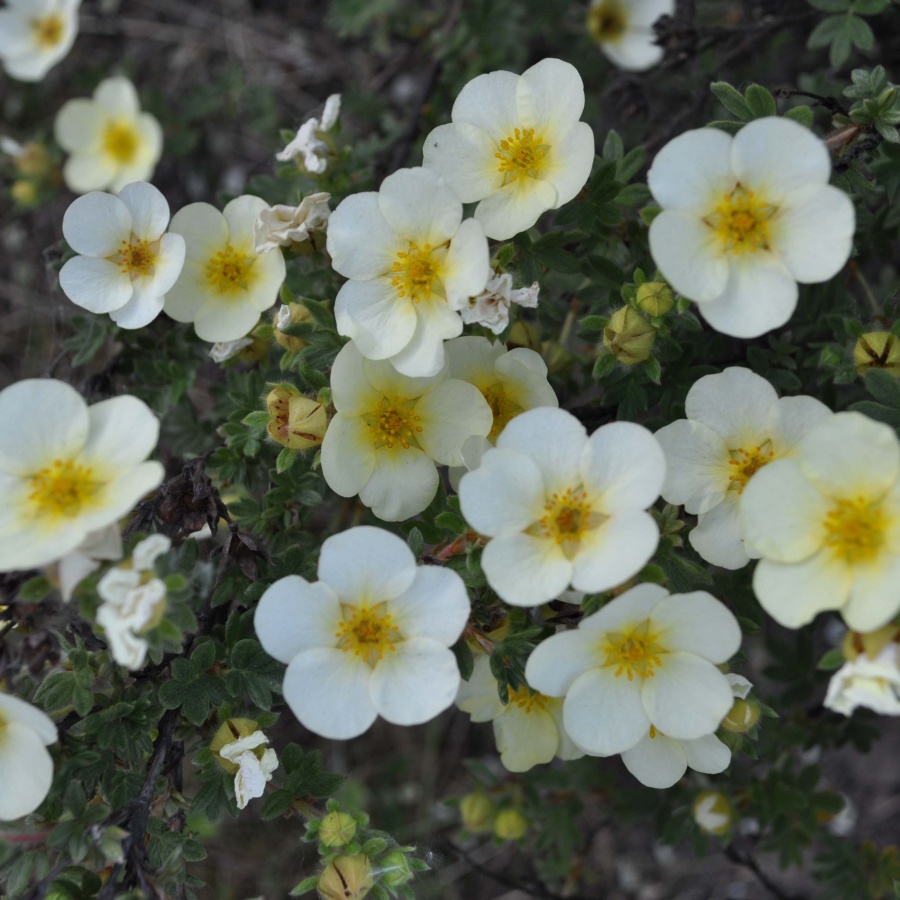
{"points": [[735, 425], [390, 430], [827, 525], [74, 567], [745, 218], [280, 226], [222, 351], [225, 284], [624, 30], [127, 262], [645, 659], [515, 145], [110, 141], [562, 508], [26, 768], [253, 771], [133, 600], [871, 683], [412, 263], [528, 730], [67, 469], [371, 637], [307, 142], [659, 761], [490, 308], [35, 35]]}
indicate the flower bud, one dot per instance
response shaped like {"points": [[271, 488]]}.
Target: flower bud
{"points": [[296, 422], [870, 643], [24, 193], [346, 878], [477, 812], [713, 813], [877, 350], [743, 716], [231, 730], [510, 824], [629, 336], [524, 334], [34, 161], [655, 298], [291, 314], [337, 829], [394, 869]]}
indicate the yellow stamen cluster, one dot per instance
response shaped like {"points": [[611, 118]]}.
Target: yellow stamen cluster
{"points": [[746, 463], [521, 155], [394, 422], [121, 142], [634, 651], [48, 30], [741, 221], [417, 271], [502, 407], [567, 515], [855, 529], [607, 22], [229, 270], [368, 631], [61, 489], [136, 257], [527, 700]]}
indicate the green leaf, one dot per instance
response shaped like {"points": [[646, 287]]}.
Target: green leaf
{"points": [[605, 364], [465, 659], [840, 49], [860, 33], [884, 387], [826, 31], [830, 6], [831, 660], [416, 541], [35, 589], [868, 7], [285, 460], [760, 101], [731, 99], [652, 369], [802, 114], [613, 148]]}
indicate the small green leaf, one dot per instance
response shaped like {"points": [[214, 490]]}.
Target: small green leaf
{"points": [[760, 101], [860, 33], [34, 590], [831, 660], [830, 6], [869, 7], [731, 99], [826, 31], [883, 387], [613, 148], [802, 114], [840, 49]]}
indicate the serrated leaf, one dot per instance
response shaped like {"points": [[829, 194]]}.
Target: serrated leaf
{"points": [[731, 99], [760, 101]]}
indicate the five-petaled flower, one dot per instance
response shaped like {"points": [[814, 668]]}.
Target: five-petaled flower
{"points": [[371, 637], [26, 767], [745, 218], [624, 30], [35, 35]]}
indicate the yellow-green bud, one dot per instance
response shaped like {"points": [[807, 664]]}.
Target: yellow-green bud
{"points": [[477, 812], [337, 829], [713, 813], [524, 334], [629, 336], [655, 298], [231, 730], [510, 824], [346, 878], [34, 161], [24, 193], [744, 714], [296, 422], [291, 314], [877, 350], [557, 358], [394, 869]]}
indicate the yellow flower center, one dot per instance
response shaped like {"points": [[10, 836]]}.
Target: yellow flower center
{"points": [[654, 733], [368, 631], [745, 464], [121, 142], [502, 407], [62, 489], [607, 21], [634, 651], [567, 517], [527, 700], [230, 271], [48, 30], [393, 423], [855, 529], [136, 257], [417, 271], [741, 221], [521, 155]]}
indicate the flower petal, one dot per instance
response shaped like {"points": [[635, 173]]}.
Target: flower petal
{"points": [[29, 716], [515, 207], [525, 739], [328, 691], [366, 563], [148, 207], [463, 155], [419, 207], [95, 284], [26, 772], [348, 455], [415, 683], [568, 164], [225, 319], [435, 606], [707, 754], [79, 124], [88, 171], [96, 224], [403, 483], [111, 421], [449, 415], [478, 696], [874, 598], [550, 95], [713, 401], [467, 264], [697, 474], [658, 761], [380, 322], [117, 97], [360, 242], [423, 356], [489, 102], [558, 661], [294, 615], [611, 554], [687, 252], [696, 623], [525, 570], [717, 537]]}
